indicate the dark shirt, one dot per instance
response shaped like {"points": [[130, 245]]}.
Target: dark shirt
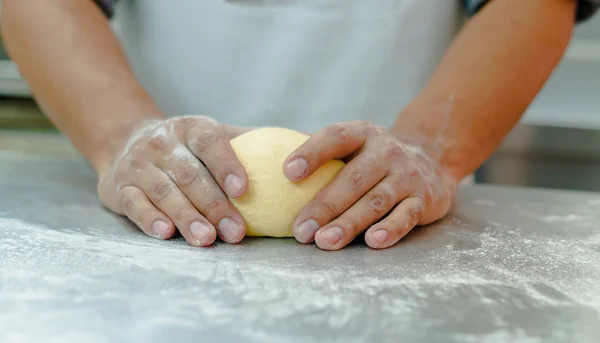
{"points": [[585, 8]]}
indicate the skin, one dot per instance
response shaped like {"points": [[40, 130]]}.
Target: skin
{"points": [[177, 173], [149, 169], [168, 174], [486, 80]]}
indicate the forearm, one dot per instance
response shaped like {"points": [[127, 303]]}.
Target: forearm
{"points": [[77, 71], [487, 79]]}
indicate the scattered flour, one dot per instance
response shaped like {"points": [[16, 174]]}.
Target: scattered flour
{"points": [[475, 280], [488, 284], [485, 202], [564, 218]]}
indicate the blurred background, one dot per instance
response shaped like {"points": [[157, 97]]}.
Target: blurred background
{"points": [[556, 145]]}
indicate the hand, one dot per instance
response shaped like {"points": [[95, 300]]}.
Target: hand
{"points": [[170, 174], [387, 187]]}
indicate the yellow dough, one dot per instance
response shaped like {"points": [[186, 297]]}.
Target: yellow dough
{"points": [[272, 201]]}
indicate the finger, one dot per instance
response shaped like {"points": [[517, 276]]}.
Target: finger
{"points": [[349, 185], [211, 145], [167, 197], [136, 206], [397, 224], [334, 141], [379, 201], [195, 181]]}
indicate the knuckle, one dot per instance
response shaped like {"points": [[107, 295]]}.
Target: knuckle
{"points": [[162, 189], [208, 120], [379, 202], [158, 142], [126, 204], [215, 207], [131, 201], [135, 162], [415, 176], [185, 214], [363, 127], [147, 212], [398, 181], [358, 180], [186, 174], [340, 132], [187, 121], [392, 150], [414, 215], [330, 208], [379, 129], [204, 141]]}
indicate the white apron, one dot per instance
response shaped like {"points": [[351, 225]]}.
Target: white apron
{"points": [[300, 64]]}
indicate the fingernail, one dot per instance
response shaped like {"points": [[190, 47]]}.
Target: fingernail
{"points": [[233, 184], [333, 235], [199, 231], [306, 231], [229, 229], [381, 236], [160, 228], [297, 168]]}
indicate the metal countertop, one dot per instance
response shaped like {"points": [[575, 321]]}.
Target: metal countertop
{"points": [[508, 264]]}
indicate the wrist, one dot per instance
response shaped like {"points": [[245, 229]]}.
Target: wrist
{"points": [[118, 136], [431, 134], [433, 150]]}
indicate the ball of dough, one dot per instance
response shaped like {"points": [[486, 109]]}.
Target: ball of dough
{"points": [[272, 201]]}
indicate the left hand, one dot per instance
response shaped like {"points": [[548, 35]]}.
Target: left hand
{"points": [[387, 187]]}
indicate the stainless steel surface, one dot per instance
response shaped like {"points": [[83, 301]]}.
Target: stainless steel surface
{"points": [[513, 265], [550, 157]]}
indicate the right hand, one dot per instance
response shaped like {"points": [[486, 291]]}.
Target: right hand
{"points": [[171, 174]]}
